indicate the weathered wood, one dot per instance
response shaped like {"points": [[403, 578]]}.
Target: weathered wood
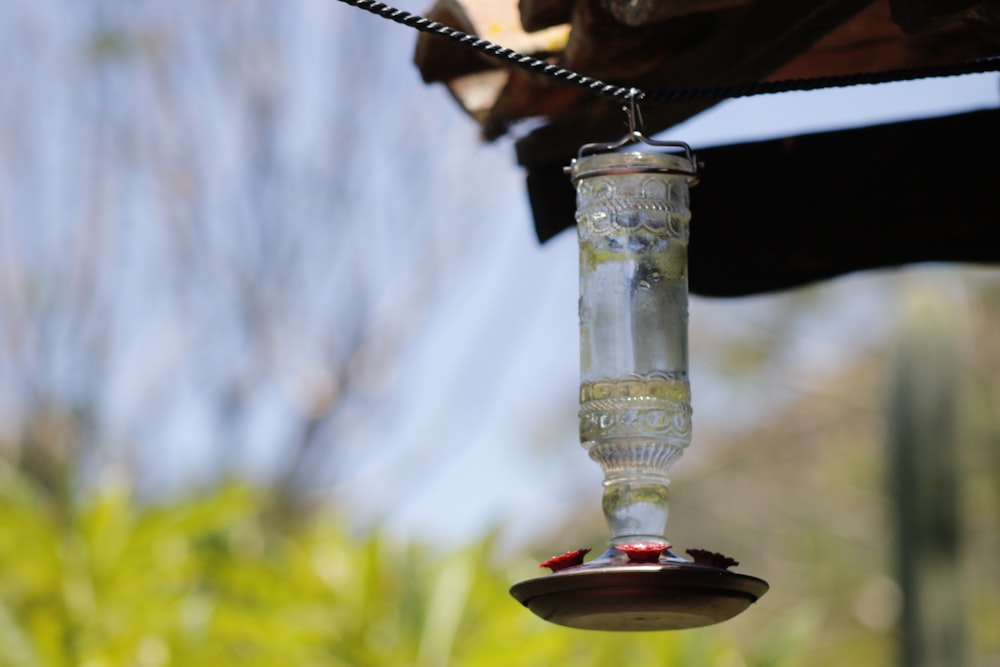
{"points": [[985, 19], [702, 44], [527, 95], [872, 42], [778, 214], [441, 60], [745, 44], [539, 14], [444, 60], [916, 16], [644, 12], [603, 49], [768, 40]]}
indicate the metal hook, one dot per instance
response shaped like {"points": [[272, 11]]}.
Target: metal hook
{"points": [[636, 126], [634, 114]]}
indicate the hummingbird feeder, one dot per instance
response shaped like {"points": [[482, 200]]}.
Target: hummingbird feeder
{"points": [[633, 215]]}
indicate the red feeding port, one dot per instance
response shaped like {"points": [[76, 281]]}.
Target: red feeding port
{"points": [[643, 552], [568, 559]]}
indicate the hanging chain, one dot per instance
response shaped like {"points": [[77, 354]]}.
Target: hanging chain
{"points": [[630, 94]]}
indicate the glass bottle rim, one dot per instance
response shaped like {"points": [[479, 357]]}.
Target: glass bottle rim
{"points": [[603, 164]]}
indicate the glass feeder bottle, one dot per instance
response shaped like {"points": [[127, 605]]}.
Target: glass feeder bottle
{"points": [[633, 215], [635, 412]]}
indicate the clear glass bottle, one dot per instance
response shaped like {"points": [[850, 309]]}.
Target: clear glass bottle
{"points": [[635, 412]]}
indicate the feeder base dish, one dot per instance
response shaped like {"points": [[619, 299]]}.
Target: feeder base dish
{"points": [[638, 597]]}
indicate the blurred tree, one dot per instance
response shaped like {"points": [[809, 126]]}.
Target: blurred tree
{"points": [[924, 444], [211, 236]]}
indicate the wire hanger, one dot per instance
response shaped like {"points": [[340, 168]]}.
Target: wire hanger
{"points": [[635, 134]]}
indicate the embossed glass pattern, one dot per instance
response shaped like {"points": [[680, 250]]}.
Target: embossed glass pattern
{"points": [[635, 411]]}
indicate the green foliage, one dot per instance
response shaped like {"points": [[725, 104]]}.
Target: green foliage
{"points": [[211, 581]]}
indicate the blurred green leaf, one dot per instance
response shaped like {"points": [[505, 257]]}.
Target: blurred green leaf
{"points": [[207, 580]]}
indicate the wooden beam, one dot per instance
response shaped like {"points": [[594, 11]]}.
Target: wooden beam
{"points": [[918, 16], [744, 44], [441, 60], [873, 42], [677, 44], [539, 14], [645, 12]]}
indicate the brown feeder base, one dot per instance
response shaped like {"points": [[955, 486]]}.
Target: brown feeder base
{"points": [[639, 597]]}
